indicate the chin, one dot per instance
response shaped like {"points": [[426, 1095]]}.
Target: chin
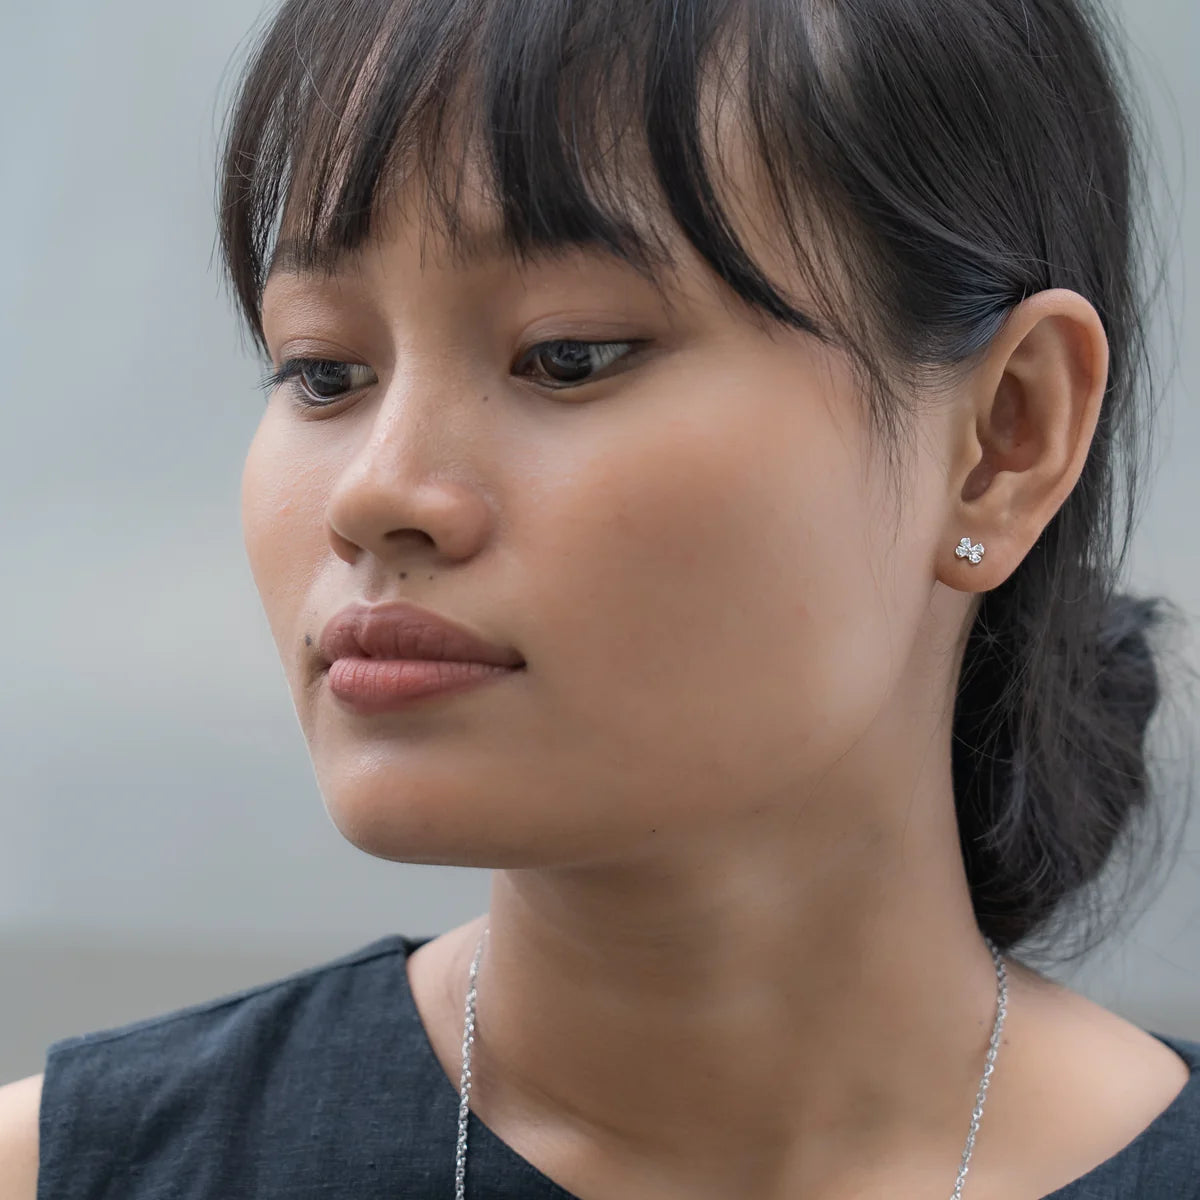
{"points": [[408, 823]]}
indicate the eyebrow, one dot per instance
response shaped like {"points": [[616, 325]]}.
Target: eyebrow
{"points": [[289, 258]]}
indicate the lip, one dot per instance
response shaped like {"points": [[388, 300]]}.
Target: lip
{"points": [[406, 631], [379, 685]]}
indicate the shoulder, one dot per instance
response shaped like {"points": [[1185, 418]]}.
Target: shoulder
{"points": [[367, 968], [1093, 1104], [135, 1101], [217, 1041], [1162, 1158], [20, 1104]]}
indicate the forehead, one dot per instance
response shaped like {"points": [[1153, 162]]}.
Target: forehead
{"points": [[680, 216], [469, 231], [292, 256]]}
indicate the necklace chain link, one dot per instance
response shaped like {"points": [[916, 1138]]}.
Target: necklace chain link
{"points": [[460, 1154]]}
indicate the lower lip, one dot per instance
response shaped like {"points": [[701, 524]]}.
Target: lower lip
{"points": [[377, 685]]}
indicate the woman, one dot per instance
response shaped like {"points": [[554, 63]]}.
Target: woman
{"points": [[688, 486]]}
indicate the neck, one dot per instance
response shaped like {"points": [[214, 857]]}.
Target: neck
{"points": [[755, 1015]]}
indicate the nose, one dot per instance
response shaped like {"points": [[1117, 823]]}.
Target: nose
{"points": [[409, 485]]}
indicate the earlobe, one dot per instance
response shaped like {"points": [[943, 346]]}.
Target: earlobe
{"points": [[1037, 394]]}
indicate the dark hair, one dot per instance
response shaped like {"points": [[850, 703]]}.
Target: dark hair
{"points": [[954, 156]]}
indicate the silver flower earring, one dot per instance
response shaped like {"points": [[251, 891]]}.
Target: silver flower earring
{"points": [[964, 549]]}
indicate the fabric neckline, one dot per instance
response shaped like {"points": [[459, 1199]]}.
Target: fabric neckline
{"points": [[491, 1145]]}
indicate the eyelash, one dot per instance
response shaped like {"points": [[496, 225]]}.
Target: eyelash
{"points": [[289, 373]]}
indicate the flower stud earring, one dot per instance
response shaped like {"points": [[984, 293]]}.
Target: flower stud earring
{"points": [[964, 549]]}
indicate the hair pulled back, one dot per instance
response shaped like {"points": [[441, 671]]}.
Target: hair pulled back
{"points": [[956, 156]]}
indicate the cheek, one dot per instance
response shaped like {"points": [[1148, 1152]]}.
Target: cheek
{"points": [[281, 527], [710, 609]]}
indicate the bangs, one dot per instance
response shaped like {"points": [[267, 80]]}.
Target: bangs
{"points": [[587, 124]]}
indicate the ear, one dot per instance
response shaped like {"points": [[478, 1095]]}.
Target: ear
{"points": [[1028, 417]]}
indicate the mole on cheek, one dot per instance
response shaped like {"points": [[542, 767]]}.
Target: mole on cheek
{"points": [[308, 639]]}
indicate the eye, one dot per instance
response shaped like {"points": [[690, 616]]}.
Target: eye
{"points": [[318, 382], [321, 382], [566, 363]]}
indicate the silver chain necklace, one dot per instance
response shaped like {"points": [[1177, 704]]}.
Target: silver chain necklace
{"points": [[460, 1155]]}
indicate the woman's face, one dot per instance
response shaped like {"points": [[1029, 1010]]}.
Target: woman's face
{"points": [[695, 552]]}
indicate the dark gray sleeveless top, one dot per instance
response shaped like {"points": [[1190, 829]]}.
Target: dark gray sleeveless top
{"points": [[324, 1084]]}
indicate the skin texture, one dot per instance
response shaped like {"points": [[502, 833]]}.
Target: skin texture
{"points": [[732, 949]]}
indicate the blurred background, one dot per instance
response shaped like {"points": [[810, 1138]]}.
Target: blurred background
{"points": [[162, 840]]}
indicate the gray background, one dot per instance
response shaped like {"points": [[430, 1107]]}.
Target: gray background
{"points": [[163, 840]]}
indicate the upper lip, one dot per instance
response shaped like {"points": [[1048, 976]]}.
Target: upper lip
{"points": [[404, 630]]}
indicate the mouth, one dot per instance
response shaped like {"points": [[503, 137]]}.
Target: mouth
{"points": [[405, 632], [382, 657], [368, 686]]}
